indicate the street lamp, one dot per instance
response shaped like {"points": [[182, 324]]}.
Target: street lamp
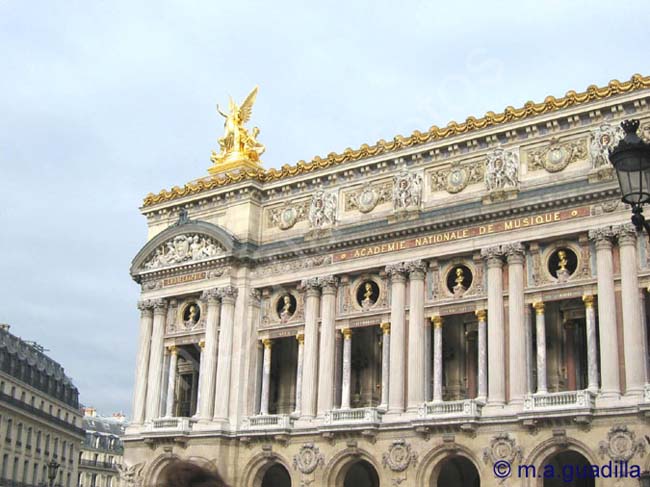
{"points": [[631, 160], [644, 479], [52, 467]]}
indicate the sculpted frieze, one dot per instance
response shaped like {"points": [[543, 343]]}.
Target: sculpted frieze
{"points": [[457, 177], [322, 210], [556, 156], [407, 191], [621, 444], [292, 265], [604, 138], [183, 249], [286, 216], [502, 169], [366, 198]]}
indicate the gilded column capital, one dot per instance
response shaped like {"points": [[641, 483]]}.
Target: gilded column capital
{"points": [[159, 306], [212, 296], [201, 344], [514, 253], [267, 343], [436, 321], [311, 286], [385, 327], [539, 307], [172, 349], [328, 284], [588, 299], [625, 233], [493, 256], [228, 294], [300, 338], [146, 307], [397, 272], [347, 333], [417, 269], [481, 314], [602, 237]]}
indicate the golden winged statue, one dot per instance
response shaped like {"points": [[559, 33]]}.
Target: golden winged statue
{"points": [[239, 147]]}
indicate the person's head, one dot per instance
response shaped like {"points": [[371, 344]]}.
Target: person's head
{"points": [[182, 473]]}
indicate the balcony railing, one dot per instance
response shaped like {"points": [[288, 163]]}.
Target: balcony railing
{"points": [[267, 421], [176, 425], [353, 416], [97, 464], [558, 401], [466, 408]]}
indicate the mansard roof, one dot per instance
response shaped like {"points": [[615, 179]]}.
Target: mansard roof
{"points": [[382, 147]]}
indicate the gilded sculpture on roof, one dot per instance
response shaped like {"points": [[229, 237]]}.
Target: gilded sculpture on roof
{"points": [[239, 147]]}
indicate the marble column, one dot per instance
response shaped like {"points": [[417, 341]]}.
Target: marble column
{"points": [[142, 364], [496, 332], [310, 364], [416, 336], [266, 376], [385, 363], [481, 315], [570, 354], [347, 368], [327, 345], [208, 364], [224, 357], [300, 338], [530, 353], [592, 346], [437, 358], [154, 377], [610, 383], [397, 273], [540, 331], [201, 346], [471, 363], [633, 346], [171, 384], [516, 321]]}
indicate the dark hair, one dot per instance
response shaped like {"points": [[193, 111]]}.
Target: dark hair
{"points": [[183, 473]]}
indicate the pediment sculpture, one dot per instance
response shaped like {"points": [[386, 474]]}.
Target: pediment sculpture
{"points": [[183, 248]]}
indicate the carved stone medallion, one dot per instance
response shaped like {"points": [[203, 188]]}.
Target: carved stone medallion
{"points": [[368, 197], [288, 215], [621, 444], [399, 456], [557, 156], [308, 458], [457, 177], [502, 447]]}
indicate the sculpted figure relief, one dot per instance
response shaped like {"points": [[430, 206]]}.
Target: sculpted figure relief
{"points": [[183, 248], [502, 170], [407, 191], [604, 138], [322, 211]]}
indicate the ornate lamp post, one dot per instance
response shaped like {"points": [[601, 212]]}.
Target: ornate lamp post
{"points": [[644, 479], [52, 468], [631, 160]]}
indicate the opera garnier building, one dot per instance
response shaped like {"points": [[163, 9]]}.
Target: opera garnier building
{"points": [[459, 307]]}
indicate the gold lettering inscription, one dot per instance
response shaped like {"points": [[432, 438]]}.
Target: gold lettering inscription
{"points": [[197, 276]]}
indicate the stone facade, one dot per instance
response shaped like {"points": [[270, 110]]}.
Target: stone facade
{"points": [[40, 420], [477, 297], [100, 462]]}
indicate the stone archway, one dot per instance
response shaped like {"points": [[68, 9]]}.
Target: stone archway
{"points": [[276, 476], [567, 468], [456, 471], [360, 474]]}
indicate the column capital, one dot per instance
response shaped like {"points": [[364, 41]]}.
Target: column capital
{"points": [[145, 306], [436, 321], [602, 237], [417, 269], [481, 314], [514, 253], [310, 286], [539, 307], [267, 342], [212, 296], [201, 344], [625, 233], [328, 284], [172, 350], [159, 306], [255, 295], [228, 294], [588, 299], [347, 333], [300, 337], [493, 256], [397, 272], [385, 327]]}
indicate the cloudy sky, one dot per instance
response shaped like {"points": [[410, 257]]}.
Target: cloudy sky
{"points": [[104, 101]]}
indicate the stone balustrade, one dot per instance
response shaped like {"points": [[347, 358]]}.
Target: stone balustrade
{"points": [[267, 421], [353, 416], [560, 401], [468, 408]]}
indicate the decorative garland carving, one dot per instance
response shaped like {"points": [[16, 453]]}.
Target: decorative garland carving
{"points": [[399, 456], [556, 156], [457, 177], [502, 447], [472, 124], [308, 459], [366, 198], [621, 444], [286, 216]]}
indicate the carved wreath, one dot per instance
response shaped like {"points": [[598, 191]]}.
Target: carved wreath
{"points": [[621, 444], [502, 447], [308, 458], [399, 456]]}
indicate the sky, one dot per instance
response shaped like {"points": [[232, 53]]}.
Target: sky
{"points": [[102, 102]]}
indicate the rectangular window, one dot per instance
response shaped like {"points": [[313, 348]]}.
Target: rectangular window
{"points": [[93, 480], [25, 471], [5, 463], [10, 426], [28, 441], [19, 434], [38, 441], [47, 444], [35, 475], [56, 448]]}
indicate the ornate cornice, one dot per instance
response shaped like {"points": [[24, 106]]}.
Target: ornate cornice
{"points": [[490, 119]]}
